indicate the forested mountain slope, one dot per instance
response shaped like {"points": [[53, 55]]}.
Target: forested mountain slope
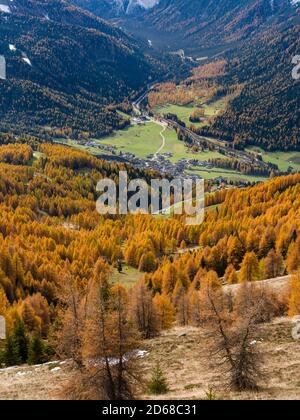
{"points": [[64, 68], [50, 232], [261, 38], [266, 112], [200, 24]]}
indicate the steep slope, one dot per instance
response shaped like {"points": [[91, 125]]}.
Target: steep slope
{"points": [[266, 112], [201, 25], [259, 39], [64, 67], [214, 19]]}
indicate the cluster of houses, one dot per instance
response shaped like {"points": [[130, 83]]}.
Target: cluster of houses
{"points": [[161, 163], [157, 162], [195, 163]]}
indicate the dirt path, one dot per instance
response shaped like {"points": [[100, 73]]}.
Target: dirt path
{"points": [[162, 136]]}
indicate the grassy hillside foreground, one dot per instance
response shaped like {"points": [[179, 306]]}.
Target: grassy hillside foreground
{"points": [[187, 365]]}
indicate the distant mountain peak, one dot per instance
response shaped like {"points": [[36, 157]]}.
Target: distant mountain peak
{"points": [[115, 8], [134, 4]]}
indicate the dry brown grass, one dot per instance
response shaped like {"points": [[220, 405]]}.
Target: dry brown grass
{"points": [[191, 371], [278, 285], [34, 382], [187, 364]]}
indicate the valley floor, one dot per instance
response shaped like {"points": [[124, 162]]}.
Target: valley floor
{"points": [[185, 358]]}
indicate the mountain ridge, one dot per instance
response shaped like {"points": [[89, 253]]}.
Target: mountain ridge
{"points": [[188, 24]]}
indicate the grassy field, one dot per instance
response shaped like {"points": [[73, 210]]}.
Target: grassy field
{"points": [[143, 140], [184, 112], [36, 156], [225, 173], [215, 107], [184, 356], [127, 278], [180, 151], [171, 209], [282, 159], [125, 116]]}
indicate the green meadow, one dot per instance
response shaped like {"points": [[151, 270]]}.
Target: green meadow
{"points": [[142, 140], [207, 173], [128, 277], [283, 160], [184, 112]]}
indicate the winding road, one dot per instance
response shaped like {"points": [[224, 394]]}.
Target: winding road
{"points": [[137, 109]]}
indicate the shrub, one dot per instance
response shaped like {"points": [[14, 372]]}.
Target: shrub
{"points": [[158, 384]]}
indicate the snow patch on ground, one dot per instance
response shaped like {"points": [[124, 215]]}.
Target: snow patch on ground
{"points": [[4, 8], [56, 369], [21, 373], [27, 61]]}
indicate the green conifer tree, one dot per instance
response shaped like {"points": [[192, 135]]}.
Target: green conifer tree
{"points": [[11, 354], [158, 384], [21, 341], [36, 351]]}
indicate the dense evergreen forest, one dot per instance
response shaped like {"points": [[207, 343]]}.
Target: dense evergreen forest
{"points": [[266, 112], [65, 67]]}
